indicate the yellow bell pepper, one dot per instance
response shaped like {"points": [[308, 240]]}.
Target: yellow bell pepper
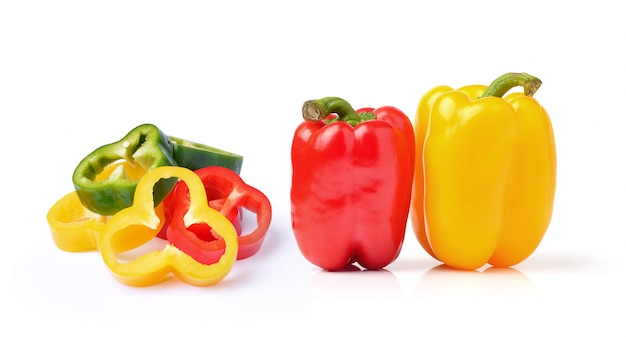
{"points": [[134, 226], [485, 173]]}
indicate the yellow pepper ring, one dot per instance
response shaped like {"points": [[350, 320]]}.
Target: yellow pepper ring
{"points": [[139, 223], [74, 228]]}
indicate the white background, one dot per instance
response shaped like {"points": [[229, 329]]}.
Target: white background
{"points": [[75, 75]]}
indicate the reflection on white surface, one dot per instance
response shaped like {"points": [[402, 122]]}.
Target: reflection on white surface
{"points": [[353, 283], [336, 296], [442, 281]]}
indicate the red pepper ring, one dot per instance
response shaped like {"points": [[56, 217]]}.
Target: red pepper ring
{"points": [[206, 233], [203, 232], [220, 184]]}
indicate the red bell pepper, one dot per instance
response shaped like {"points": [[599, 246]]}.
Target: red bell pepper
{"points": [[223, 186], [351, 183]]}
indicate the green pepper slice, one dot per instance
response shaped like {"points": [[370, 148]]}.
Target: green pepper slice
{"points": [[106, 179], [195, 156]]}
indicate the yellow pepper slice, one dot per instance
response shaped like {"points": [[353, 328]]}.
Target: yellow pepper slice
{"points": [[134, 226], [74, 228]]}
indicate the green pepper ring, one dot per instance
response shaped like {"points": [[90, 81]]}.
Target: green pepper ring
{"points": [[145, 146]]}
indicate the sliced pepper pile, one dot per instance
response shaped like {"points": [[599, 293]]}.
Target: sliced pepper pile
{"points": [[148, 186], [136, 225]]}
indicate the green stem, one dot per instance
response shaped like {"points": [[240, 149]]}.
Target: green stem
{"points": [[317, 110], [506, 82]]}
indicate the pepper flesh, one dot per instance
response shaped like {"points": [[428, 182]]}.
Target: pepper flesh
{"points": [[485, 176], [220, 184], [351, 184], [142, 149], [133, 226]]}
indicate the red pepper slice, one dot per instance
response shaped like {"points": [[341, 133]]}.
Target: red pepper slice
{"points": [[203, 232], [220, 184]]}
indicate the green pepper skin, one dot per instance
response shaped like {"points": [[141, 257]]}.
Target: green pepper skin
{"points": [[146, 146], [195, 156]]}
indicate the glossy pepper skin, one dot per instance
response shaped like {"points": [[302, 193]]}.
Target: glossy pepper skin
{"points": [[106, 179], [351, 184], [134, 226], [485, 173]]}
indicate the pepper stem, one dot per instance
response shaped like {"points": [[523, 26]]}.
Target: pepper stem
{"points": [[319, 109], [504, 83]]}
